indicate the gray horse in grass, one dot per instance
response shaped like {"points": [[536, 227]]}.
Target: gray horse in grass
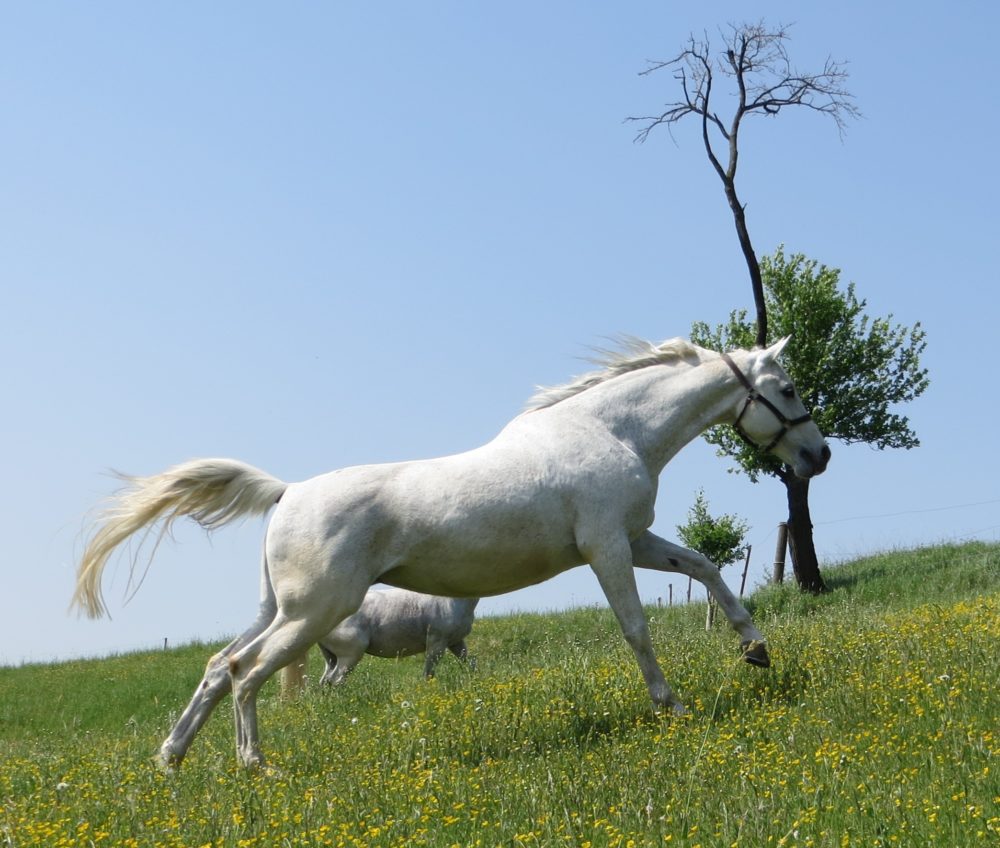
{"points": [[392, 622]]}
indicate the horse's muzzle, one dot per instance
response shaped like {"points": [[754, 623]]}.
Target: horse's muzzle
{"points": [[815, 462]]}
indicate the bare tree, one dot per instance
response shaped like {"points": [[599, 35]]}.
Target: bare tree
{"points": [[755, 59]]}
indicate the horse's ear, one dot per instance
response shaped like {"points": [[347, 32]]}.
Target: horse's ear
{"points": [[774, 351]]}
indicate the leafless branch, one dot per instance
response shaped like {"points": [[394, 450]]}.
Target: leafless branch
{"points": [[756, 59]]}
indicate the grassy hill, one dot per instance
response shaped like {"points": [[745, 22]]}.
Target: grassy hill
{"points": [[879, 724]]}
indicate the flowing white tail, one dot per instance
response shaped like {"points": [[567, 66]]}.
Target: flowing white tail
{"points": [[213, 492]]}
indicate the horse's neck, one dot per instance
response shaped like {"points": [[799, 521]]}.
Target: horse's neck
{"points": [[658, 412]]}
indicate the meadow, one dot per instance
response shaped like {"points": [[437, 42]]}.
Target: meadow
{"points": [[878, 725]]}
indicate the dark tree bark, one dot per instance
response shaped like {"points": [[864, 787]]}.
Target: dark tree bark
{"points": [[805, 563], [756, 283]]}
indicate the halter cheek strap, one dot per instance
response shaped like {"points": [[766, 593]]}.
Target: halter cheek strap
{"points": [[753, 396]]}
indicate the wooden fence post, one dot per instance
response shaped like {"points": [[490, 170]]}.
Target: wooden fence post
{"points": [[779, 554], [746, 567]]}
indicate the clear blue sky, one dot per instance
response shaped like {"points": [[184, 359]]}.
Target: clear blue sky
{"points": [[316, 235]]}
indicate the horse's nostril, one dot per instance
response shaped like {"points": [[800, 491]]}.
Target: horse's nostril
{"points": [[818, 460]]}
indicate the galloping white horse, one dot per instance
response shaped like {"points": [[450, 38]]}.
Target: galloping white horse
{"points": [[571, 480]]}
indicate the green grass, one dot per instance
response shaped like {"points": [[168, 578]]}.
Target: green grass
{"points": [[878, 725]]}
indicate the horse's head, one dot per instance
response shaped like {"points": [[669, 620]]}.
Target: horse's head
{"points": [[771, 415]]}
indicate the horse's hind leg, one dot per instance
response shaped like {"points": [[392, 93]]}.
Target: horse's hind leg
{"points": [[285, 639], [212, 689], [249, 669]]}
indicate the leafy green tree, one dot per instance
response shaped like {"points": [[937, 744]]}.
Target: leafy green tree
{"points": [[720, 539], [850, 370]]}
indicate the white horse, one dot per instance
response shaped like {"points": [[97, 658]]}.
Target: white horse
{"points": [[571, 480], [393, 622]]}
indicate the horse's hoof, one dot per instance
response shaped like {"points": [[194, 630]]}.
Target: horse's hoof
{"points": [[756, 654], [252, 761], [167, 761], [674, 708]]}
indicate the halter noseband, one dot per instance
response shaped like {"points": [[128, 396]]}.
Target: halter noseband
{"points": [[752, 396]]}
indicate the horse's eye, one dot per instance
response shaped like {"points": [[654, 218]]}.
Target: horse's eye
{"points": [[788, 391]]}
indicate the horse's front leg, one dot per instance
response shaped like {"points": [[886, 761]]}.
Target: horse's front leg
{"points": [[650, 551], [436, 646], [613, 567]]}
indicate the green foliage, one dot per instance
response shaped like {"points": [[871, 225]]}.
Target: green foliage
{"points": [[877, 725], [849, 368], [720, 539]]}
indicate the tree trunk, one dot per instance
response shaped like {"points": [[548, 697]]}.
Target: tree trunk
{"points": [[756, 282], [800, 536]]}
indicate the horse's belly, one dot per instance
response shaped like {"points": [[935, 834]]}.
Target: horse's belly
{"points": [[480, 575], [402, 642]]}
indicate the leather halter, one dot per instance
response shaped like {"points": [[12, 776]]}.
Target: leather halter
{"points": [[754, 396]]}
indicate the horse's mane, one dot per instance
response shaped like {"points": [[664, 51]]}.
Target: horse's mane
{"points": [[631, 355]]}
